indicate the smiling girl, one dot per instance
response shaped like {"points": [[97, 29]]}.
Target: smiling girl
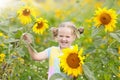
{"points": [[65, 35]]}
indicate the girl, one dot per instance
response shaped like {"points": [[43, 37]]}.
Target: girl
{"points": [[65, 34]]}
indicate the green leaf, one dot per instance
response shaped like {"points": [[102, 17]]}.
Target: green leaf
{"points": [[107, 76], [88, 73], [98, 39], [14, 29], [58, 76], [115, 36], [114, 70], [90, 49], [10, 40], [8, 29], [95, 31], [4, 28], [18, 34], [112, 51]]}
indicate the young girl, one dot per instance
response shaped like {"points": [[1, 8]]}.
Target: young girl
{"points": [[65, 34]]}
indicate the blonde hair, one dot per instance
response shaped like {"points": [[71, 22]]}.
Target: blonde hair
{"points": [[76, 31]]}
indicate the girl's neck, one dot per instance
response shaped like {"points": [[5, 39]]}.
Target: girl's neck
{"points": [[63, 48]]}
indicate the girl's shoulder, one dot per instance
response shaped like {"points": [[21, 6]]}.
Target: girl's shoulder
{"points": [[52, 47], [53, 50], [55, 47]]}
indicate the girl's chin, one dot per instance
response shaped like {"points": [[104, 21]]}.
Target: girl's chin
{"points": [[63, 47]]}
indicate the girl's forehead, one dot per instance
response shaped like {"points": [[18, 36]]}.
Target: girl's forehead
{"points": [[65, 30]]}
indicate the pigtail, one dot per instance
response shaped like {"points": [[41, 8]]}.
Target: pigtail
{"points": [[54, 32], [78, 32], [81, 30]]}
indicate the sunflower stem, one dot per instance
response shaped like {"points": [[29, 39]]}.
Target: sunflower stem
{"points": [[74, 78]]}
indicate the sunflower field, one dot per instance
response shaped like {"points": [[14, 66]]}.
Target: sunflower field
{"points": [[100, 40]]}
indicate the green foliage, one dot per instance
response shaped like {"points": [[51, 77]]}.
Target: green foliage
{"points": [[100, 48]]}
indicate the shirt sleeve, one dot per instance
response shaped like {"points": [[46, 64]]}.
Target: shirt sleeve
{"points": [[48, 51]]}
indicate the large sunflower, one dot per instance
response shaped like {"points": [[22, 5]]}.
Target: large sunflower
{"points": [[105, 17], [25, 13], [71, 61], [40, 26]]}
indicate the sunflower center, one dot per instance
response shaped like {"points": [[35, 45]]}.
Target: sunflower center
{"points": [[105, 18], [40, 25], [73, 60], [26, 12]]}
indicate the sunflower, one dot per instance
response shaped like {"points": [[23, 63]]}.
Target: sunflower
{"points": [[71, 61], [25, 14], [105, 17], [2, 57], [1, 34], [40, 26]]}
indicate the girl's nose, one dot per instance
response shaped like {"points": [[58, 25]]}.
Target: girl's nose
{"points": [[64, 39]]}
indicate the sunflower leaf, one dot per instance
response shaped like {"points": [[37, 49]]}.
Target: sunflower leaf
{"points": [[58, 76], [88, 73], [14, 29], [95, 31], [4, 28], [115, 36], [112, 51]]}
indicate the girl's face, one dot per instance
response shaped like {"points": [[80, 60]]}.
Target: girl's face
{"points": [[65, 37]]}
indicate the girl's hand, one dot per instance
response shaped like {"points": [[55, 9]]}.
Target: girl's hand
{"points": [[27, 38]]}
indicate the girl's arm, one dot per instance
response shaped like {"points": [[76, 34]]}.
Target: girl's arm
{"points": [[34, 55]]}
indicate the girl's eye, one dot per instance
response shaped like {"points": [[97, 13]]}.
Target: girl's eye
{"points": [[67, 36], [60, 35]]}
